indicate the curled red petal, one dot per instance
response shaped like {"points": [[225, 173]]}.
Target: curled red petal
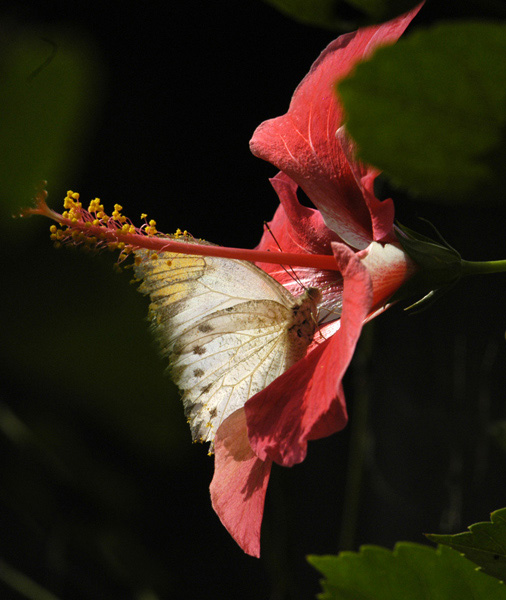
{"points": [[303, 142], [239, 484], [302, 228], [307, 402], [389, 266]]}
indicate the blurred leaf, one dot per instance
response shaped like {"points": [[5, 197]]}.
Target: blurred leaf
{"points": [[323, 13], [411, 571], [89, 347], [382, 10], [339, 14], [431, 111], [49, 90], [484, 544], [21, 583], [498, 433]]}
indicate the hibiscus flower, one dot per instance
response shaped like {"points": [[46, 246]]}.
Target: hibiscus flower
{"points": [[346, 248], [310, 146]]}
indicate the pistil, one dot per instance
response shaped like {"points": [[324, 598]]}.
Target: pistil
{"points": [[78, 224]]}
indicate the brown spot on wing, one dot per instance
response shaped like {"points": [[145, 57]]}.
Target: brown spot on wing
{"points": [[199, 350]]}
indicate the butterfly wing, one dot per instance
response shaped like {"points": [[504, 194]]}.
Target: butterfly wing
{"points": [[227, 328]]}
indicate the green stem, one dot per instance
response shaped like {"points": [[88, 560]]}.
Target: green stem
{"points": [[470, 267]]}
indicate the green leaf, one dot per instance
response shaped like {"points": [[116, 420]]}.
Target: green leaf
{"points": [[411, 571], [49, 90], [484, 544], [340, 14], [431, 111]]}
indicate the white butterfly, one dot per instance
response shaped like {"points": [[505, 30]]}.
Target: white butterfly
{"points": [[227, 328]]}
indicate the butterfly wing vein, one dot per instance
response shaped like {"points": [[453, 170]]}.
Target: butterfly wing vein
{"points": [[224, 326]]}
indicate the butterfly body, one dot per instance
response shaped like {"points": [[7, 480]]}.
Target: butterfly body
{"points": [[227, 328]]}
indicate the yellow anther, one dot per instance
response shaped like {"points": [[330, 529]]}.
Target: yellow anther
{"points": [[152, 223], [53, 229], [94, 205], [154, 256], [143, 215], [75, 196], [121, 245], [118, 207]]}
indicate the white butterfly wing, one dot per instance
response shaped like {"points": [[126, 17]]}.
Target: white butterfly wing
{"points": [[227, 328]]}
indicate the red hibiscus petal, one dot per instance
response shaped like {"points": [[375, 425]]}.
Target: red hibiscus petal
{"points": [[239, 483], [307, 402], [389, 266], [296, 228], [303, 227], [303, 142], [381, 211]]}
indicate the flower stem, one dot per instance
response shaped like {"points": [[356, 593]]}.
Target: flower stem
{"points": [[470, 267]]}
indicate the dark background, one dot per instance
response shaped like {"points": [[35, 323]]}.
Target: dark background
{"points": [[102, 494]]}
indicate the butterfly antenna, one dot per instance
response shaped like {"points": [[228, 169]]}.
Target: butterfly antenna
{"points": [[336, 313], [290, 271]]}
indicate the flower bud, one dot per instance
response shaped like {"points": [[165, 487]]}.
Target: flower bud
{"points": [[439, 266]]}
